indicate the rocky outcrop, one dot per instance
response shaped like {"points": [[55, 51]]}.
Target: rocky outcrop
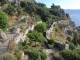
{"points": [[3, 35]]}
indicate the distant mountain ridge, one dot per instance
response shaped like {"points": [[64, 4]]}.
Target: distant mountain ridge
{"points": [[75, 15]]}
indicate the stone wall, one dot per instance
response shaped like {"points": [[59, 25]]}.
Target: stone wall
{"points": [[49, 30]]}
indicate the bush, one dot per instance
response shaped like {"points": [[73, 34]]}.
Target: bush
{"points": [[8, 56], [23, 20], [26, 47], [37, 55], [3, 21], [70, 55], [34, 55], [19, 10], [18, 54], [10, 10], [52, 41], [43, 55], [71, 46], [41, 27], [69, 39], [20, 46]]}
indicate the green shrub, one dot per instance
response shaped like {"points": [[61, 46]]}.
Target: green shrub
{"points": [[57, 29], [52, 41], [69, 39], [50, 46], [20, 46], [18, 54], [34, 55], [43, 55], [37, 55], [3, 21], [26, 47], [8, 56], [19, 10], [23, 20], [10, 10], [71, 46]]}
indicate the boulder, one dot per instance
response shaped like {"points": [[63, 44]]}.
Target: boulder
{"points": [[62, 45]]}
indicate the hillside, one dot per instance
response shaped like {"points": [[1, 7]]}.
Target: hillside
{"points": [[31, 31]]}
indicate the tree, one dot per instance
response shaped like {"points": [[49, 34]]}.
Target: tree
{"points": [[8, 56], [43, 12], [35, 36], [30, 7], [3, 21], [10, 10], [53, 6], [41, 27]]}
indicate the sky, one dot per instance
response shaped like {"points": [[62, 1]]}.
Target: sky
{"points": [[65, 4]]}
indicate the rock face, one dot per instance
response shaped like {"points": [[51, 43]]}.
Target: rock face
{"points": [[3, 35]]}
